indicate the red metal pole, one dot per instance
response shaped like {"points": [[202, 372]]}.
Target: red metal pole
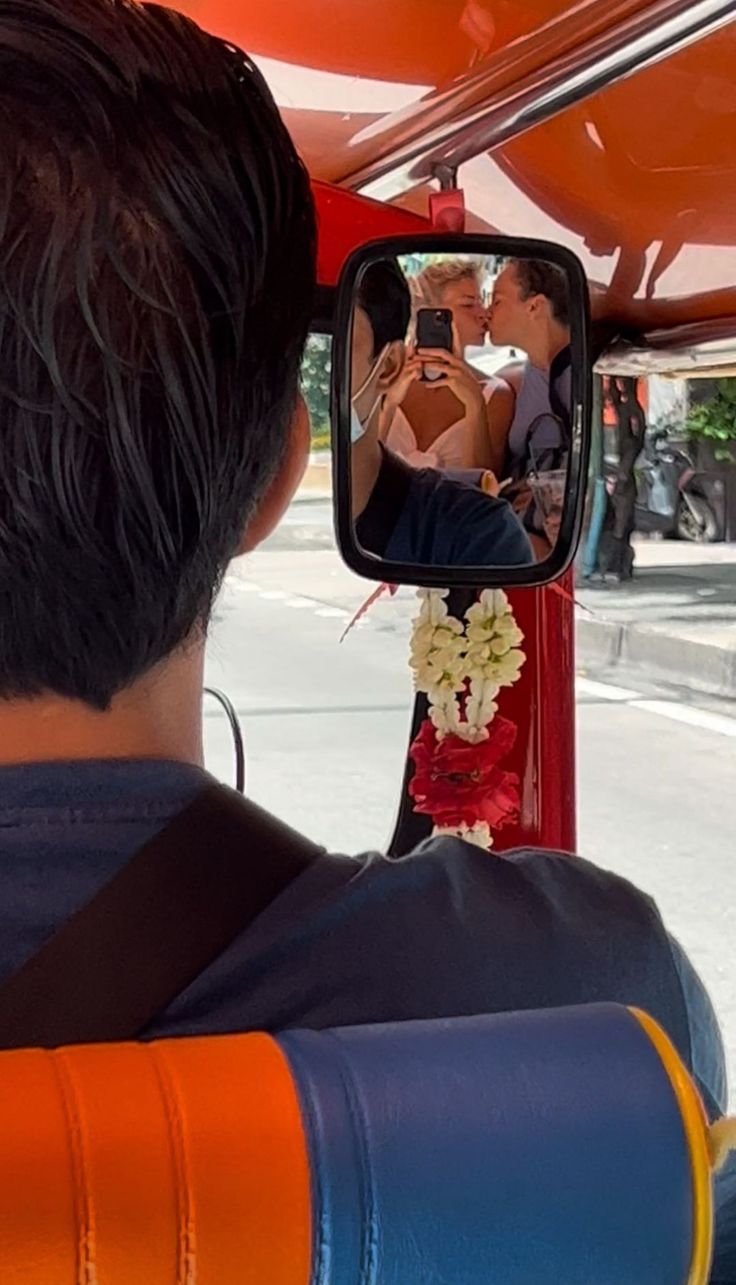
{"points": [[542, 704]]}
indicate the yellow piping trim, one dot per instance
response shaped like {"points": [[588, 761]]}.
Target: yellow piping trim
{"points": [[721, 1141], [696, 1132]]}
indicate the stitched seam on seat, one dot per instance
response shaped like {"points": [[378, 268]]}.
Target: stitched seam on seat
{"points": [[83, 1200], [359, 1120], [320, 1237], [185, 1212]]}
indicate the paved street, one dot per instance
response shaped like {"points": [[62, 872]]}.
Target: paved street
{"points": [[326, 725], [656, 804]]}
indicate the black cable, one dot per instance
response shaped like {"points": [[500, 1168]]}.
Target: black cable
{"points": [[237, 732]]}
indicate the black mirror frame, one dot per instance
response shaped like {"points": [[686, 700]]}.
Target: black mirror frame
{"points": [[561, 557]]}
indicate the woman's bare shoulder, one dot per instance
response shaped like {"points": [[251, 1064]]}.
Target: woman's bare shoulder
{"points": [[512, 375], [500, 392]]}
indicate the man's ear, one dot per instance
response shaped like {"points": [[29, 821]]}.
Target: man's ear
{"points": [[280, 493], [392, 365]]}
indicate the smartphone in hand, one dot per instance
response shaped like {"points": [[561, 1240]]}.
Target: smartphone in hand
{"points": [[434, 330]]}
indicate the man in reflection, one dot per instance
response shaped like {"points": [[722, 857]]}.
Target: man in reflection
{"points": [[416, 516], [530, 310]]}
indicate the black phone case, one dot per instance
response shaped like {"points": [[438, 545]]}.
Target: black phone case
{"points": [[434, 328]]}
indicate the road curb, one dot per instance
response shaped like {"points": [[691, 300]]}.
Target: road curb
{"points": [[664, 656], [317, 480], [600, 641]]}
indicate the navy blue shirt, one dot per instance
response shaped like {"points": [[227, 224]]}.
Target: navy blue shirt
{"points": [[446, 931], [423, 516]]}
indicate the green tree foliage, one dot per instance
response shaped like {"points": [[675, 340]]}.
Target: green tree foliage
{"points": [[714, 420], [316, 387]]}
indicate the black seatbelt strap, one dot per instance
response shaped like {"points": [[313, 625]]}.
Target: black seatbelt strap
{"points": [[560, 408], [148, 934]]}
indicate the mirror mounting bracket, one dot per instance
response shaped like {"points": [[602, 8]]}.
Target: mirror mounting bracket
{"points": [[446, 176], [447, 207]]}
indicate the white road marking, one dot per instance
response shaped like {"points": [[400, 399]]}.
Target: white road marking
{"points": [[721, 724], [332, 613], [604, 691], [703, 718]]}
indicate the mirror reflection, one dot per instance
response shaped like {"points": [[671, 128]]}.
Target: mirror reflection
{"points": [[460, 409]]}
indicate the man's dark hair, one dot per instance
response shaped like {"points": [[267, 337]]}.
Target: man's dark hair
{"points": [[536, 276], [384, 296], [157, 262]]}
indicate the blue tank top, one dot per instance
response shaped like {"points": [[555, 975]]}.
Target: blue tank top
{"points": [[536, 437]]}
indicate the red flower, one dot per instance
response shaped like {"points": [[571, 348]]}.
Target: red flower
{"points": [[455, 782]]}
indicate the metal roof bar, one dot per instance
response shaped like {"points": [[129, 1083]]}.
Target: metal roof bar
{"points": [[439, 132]]}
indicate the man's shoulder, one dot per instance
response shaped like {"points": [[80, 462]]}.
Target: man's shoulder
{"points": [[446, 930], [481, 529], [557, 881], [528, 903], [450, 491]]}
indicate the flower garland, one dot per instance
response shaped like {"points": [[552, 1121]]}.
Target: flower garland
{"points": [[461, 666]]}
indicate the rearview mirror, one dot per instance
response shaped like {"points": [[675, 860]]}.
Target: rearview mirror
{"points": [[461, 410]]}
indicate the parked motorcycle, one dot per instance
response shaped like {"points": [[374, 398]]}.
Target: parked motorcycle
{"points": [[670, 498]]}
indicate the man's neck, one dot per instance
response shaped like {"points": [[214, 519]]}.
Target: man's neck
{"points": [[366, 460], [544, 347], [159, 717]]}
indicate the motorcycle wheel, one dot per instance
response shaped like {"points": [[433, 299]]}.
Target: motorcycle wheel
{"points": [[696, 521]]}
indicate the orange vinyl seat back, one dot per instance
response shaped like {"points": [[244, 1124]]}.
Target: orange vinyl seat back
{"points": [[125, 1164]]}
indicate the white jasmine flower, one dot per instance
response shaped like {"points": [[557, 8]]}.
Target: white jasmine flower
{"points": [[480, 706], [444, 714], [433, 608], [437, 655], [439, 669], [478, 834]]}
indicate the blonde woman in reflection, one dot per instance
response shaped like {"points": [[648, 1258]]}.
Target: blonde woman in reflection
{"points": [[462, 420]]}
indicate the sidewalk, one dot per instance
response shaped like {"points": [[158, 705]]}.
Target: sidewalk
{"points": [[317, 481], [675, 621]]}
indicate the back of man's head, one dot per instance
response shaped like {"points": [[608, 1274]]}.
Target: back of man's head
{"points": [[384, 296], [156, 280], [538, 277]]}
